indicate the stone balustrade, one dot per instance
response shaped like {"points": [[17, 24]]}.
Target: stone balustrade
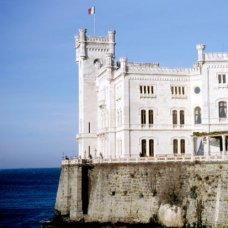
{"points": [[158, 158]]}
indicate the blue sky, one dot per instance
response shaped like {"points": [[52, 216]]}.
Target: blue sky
{"points": [[38, 74]]}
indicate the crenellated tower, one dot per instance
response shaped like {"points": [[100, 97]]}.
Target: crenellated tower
{"points": [[91, 54]]}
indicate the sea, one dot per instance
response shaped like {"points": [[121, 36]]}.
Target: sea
{"points": [[27, 196]]}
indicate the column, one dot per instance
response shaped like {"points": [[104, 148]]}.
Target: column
{"points": [[179, 146]]}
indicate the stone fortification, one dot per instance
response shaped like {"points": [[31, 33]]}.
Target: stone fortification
{"points": [[172, 194]]}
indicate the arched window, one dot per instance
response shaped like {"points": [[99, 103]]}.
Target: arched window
{"points": [[151, 147], [97, 63], [174, 114], [151, 117], [197, 114], [182, 142], [143, 116], [182, 117], [222, 109], [175, 146], [143, 148]]}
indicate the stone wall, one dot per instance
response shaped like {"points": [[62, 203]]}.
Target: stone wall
{"points": [[172, 194]]}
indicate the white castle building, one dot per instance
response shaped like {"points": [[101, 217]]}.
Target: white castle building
{"points": [[129, 109]]}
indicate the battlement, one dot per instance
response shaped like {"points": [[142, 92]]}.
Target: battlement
{"points": [[216, 56], [96, 39], [210, 57], [85, 44], [146, 65], [155, 68]]}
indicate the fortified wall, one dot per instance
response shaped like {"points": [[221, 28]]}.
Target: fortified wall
{"points": [[171, 194]]}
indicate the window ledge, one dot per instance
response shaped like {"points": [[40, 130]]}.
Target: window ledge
{"points": [[179, 97], [148, 96], [223, 86]]}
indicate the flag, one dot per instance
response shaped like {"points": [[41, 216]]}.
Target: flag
{"points": [[91, 10]]}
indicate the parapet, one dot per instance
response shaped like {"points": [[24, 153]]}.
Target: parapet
{"points": [[210, 57], [216, 56], [154, 68], [85, 44]]}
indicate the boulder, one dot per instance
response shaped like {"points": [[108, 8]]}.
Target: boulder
{"points": [[171, 216]]}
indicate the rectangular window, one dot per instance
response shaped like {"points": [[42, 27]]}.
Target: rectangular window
{"points": [[219, 78], [172, 90], [224, 78], [148, 89], [174, 117], [178, 91], [182, 117], [151, 117], [143, 116]]}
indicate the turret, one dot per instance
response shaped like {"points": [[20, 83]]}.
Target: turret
{"points": [[80, 44], [123, 64], [111, 40], [200, 49]]}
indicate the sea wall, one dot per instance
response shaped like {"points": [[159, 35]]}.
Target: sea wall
{"points": [[171, 194]]}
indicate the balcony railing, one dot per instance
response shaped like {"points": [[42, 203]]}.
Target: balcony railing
{"points": [[158, 158]]}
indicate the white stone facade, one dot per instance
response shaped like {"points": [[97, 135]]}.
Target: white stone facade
{"points": [[138, 109]]}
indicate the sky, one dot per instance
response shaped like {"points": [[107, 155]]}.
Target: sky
{"points": [[38, 74]]}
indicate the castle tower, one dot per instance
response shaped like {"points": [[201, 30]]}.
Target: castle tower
{"points": [[91, 54]]}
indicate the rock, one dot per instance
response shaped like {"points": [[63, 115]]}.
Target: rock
{"points": [[170, 216]]}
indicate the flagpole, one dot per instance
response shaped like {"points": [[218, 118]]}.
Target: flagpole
{"points": [[91, 11], [94, 24]]}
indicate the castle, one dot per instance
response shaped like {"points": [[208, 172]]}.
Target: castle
{"points": [[131, 110], [135, 121]]}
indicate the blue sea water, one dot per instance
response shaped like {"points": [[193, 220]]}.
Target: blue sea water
{"points": [[27, 196]]}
